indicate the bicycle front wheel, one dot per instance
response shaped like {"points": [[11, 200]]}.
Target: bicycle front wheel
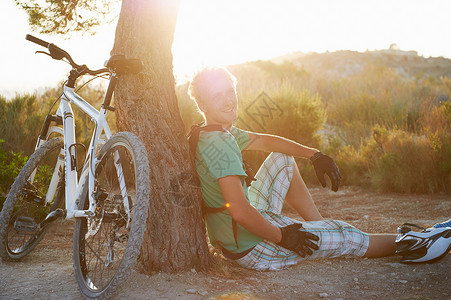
{"points": [[107, 245], [36, 191]]}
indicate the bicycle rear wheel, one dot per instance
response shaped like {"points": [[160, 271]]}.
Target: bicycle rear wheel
{"points": [[107, 245], [26, 206]]}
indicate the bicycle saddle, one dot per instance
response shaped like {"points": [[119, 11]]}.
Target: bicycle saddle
{"points": [[121, 65]]}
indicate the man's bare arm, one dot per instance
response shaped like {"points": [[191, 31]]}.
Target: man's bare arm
{"points": [[243, 212], [273, 143]]}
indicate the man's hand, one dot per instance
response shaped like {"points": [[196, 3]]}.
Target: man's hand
{"points": [[323, 164], [297, 240]]}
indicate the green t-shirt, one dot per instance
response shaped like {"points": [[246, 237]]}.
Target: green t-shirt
{"points": [[219, 155]]}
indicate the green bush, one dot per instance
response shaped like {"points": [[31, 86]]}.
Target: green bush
{"points": [[297, 115], [10, 165], [407, 165], [394, 160], [21, 119], [376, 95]]}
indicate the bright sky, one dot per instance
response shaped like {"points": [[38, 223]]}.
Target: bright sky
{"points": [[215, 32]]}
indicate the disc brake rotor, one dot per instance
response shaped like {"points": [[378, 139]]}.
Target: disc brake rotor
{"points": [[94, 223]]}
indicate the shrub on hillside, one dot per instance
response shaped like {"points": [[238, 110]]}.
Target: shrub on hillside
{"points": [[10, 165], [295, 115], [394, 160], [376, 95], [20, 122], [22, 117], [292, 114]]}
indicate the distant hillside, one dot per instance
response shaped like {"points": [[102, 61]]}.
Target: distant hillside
{"points": [[346, 63]]}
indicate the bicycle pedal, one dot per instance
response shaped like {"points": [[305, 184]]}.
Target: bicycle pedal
{"points": [[25, 225]]}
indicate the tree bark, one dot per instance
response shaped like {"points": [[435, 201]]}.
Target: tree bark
{"points": [[146, 105]]}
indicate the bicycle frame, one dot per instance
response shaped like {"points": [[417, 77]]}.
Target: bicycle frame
{"points": [[75, 187]]}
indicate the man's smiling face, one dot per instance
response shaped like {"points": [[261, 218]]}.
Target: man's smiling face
{"points": [[219, 101]]}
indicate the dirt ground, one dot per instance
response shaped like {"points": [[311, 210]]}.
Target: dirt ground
{"points": [[47, 273]]}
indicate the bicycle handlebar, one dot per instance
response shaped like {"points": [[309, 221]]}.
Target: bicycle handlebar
{"points": [[58, 54], [35, 40]]}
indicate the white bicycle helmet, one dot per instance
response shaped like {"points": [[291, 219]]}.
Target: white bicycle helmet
{"points": [[429, 245]]}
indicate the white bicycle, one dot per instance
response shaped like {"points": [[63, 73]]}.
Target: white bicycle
{"points": [[108, 195]]}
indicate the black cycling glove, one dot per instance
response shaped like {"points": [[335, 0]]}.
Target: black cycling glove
{"points": [[323, 164], [298, 240]]}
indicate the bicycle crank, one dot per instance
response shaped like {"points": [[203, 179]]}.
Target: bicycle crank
{"points": [[52, 216]]}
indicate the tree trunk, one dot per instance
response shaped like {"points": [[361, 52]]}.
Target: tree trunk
{"points": [[146, 105]]}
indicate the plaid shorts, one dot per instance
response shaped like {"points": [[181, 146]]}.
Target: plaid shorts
{"points": [[266, 194]]}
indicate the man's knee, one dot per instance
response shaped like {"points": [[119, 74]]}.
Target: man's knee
{"points": [[280, 158], [355, 241]]}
